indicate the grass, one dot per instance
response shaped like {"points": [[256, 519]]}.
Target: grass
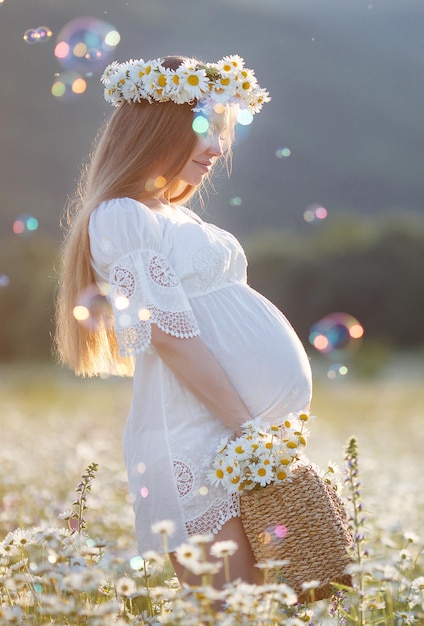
{"points": [[55, 426]]}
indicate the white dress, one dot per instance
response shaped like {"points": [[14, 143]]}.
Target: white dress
{"points": [[188, 277]]}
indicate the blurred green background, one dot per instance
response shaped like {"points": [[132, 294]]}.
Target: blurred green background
{"points": [[344, 131]]}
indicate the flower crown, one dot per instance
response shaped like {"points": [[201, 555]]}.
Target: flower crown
{"points": [[202, 85]]}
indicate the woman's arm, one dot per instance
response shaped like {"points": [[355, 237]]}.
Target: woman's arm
{"points": [[196, 367]]}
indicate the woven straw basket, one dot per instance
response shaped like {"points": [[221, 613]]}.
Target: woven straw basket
{"points": [[302, 521]]}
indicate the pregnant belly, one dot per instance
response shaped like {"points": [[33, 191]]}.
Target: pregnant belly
{"points": [[258, 348]]}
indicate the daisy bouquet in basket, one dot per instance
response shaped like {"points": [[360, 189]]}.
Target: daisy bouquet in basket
{"points": [[261, 455]]}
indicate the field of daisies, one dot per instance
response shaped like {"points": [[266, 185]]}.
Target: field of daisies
{"points": [[67, 551]]}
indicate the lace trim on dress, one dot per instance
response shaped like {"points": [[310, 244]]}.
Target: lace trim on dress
{"points": [[184, 477], [215, 517], [145, 289]]}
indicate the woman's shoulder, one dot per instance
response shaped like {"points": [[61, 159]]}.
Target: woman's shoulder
{"points": [[124, 208], [127, 223]]}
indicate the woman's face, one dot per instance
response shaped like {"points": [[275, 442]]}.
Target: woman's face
{"points": [[210, 145]]}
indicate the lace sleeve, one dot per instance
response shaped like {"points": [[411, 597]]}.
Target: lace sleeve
{"points": [[145, 289]]}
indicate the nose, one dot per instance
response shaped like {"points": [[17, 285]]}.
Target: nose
{"points": [[214, 146]]}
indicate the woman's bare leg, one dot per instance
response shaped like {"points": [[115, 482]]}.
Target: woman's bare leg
{"points": [[242, 563]]}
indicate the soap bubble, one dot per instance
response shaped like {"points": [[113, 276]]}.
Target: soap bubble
{"points": [[236, 201], [25, 224], [91, 308], [336, 333], [273, 534], [283, 153], [68, 85], [314, 213], [337, 370], [86, 43], [44, 33], [36, 35]]}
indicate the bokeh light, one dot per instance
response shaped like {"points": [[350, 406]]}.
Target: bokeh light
{"points": [[336, 333], [137, 562], [244, 117], [337, 370], [4, 280], [37, 35], [91, 308], [235, 201], [68, 85], [315, 213], [200, 124], [273, 534], [25, 224], [86, 43], [283, 153]]}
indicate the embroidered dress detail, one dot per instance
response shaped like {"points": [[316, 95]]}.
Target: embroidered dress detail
{"points": [[207, 265], [184, 476], [124, 281], [162, 273], [152, 293], [214, 519]]}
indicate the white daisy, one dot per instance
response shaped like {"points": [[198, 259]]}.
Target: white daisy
{"points": [[238, 449], [193, 81], [221, 549], [131, 91], [164, 527], [257, 98], [262, 474], [138, 70], [224, 88], [160, 84], [216, 475], [188, 554], [125, 586], [230, 63]]}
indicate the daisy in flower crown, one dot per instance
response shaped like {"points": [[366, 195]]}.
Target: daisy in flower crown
{"points": [[227, 81]]}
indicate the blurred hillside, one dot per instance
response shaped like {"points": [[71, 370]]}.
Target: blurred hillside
{"points": [[347, 86]]}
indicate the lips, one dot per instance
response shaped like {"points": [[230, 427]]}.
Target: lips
{"points": [[203, 166]]}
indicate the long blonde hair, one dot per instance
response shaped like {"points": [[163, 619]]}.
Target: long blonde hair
{"points": [[137, 141]]}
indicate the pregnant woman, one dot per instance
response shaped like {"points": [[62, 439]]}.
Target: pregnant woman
{"points": [[206, 351]]}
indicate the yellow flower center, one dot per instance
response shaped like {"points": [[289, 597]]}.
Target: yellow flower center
{"points": [[225, 81], [219, 473], [291, 444], [162, 80], [287, 424], [239, 449], [227, 67], [262, 471], [193, 80], [285, 462], [230, 469], [281, 475], [176, 79], [246, 85]]}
